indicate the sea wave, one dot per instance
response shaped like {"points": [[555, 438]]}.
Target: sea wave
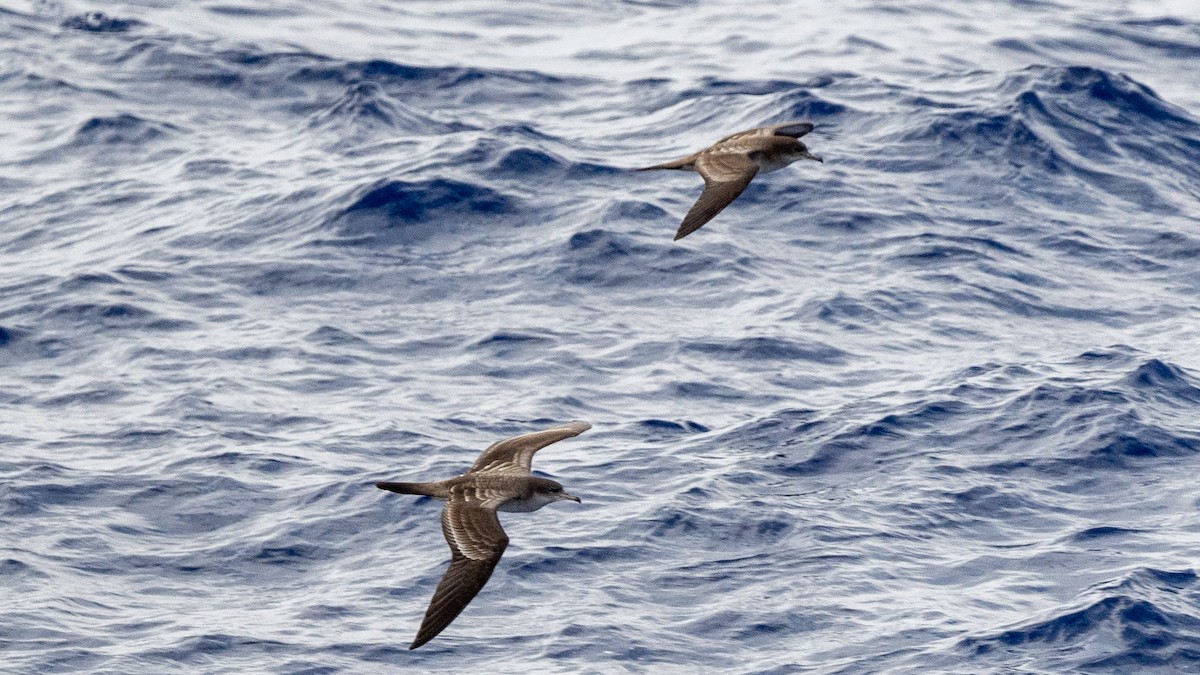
{"points": [[928, 406]]}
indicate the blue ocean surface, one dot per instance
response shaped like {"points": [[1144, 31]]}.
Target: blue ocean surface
{"points": [[932, 406]]}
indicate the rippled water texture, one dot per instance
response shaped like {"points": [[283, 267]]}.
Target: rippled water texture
{"points": [[930, 406]]}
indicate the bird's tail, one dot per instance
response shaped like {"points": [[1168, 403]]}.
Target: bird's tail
{"points": [[683, 164], [427, 489]]}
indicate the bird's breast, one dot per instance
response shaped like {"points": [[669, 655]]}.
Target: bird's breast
{"points": [[768, 162], [534, 503]]}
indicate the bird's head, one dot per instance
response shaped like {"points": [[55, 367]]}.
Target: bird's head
{"points": [[801, 152], [546, 490]]}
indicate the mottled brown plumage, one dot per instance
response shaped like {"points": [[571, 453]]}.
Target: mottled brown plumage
{"points": [[731, 163], [500, 480]]}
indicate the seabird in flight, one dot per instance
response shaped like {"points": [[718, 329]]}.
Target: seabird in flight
{"points": [[729, 165], [500, 480]]}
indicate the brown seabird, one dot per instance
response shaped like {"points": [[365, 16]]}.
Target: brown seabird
{"points": [[500, 480], [731, 163]]}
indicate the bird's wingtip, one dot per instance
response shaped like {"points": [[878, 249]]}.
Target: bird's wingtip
{"points": [[578, 426], [794, 129]]}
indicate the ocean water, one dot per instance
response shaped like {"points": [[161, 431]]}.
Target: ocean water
{"points": [[932, 406]]}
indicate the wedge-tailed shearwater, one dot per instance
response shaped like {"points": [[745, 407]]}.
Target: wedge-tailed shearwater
{"points": [[500, 480], [731, 163]]}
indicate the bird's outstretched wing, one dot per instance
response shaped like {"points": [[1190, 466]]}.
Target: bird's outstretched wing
{"points": [[793, 129], [725, 177], [476, 543], [515, 455]]}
